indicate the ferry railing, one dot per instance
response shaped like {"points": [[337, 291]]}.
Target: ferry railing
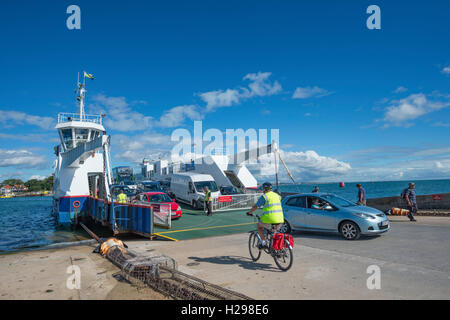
{"points": [[235, 201], [67, 117]]}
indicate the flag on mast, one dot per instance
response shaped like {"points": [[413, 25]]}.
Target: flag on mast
{"points": [[88, 75]]}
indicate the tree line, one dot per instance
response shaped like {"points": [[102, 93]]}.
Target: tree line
{"points": [[32, 185]]}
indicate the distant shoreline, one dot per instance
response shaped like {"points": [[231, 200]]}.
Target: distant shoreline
{"points": [[360, 181]]}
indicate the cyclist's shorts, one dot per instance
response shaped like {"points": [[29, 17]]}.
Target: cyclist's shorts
{"points": [[268, 226]]}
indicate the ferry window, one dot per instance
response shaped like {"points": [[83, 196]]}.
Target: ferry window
{"points": [[81, 134], [67, 137]]}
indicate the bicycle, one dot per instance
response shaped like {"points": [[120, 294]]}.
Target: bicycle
{"points": [[283, 257]]}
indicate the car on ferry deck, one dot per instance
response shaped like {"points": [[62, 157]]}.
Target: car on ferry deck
{"points": [[150, 186], [115, 190], [229, 190], [160, 198], [326, 212]]}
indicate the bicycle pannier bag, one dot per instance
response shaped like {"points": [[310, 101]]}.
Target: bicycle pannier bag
{"points": [[277, 241], [289, 239]]}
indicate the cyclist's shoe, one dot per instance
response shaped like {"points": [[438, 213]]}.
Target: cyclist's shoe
{"points": [[263, 245]]}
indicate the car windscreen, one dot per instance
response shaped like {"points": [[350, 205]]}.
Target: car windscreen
{"points": [[200, 185], [159, 198], [116, 190], [230, 190], [338, 201], [151, 187]]}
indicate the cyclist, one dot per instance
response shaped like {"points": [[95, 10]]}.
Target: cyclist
{"points": [[272, 211]]}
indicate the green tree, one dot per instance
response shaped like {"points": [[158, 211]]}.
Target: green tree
{"points": [[11, 182]]}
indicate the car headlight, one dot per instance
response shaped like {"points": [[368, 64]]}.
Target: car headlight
{"points": [[364, 216]]}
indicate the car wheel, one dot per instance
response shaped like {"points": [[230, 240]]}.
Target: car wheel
{"points": [[285, 227], [349, 230]]}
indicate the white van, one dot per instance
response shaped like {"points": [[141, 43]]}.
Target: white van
{"points": [[188, 187]]}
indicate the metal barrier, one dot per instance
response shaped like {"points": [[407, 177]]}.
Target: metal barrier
{"points": [[235, 202], [122, 217], [161, 213]]}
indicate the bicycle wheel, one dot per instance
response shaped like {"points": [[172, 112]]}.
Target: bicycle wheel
{"points": [[255, 252], [283, 258]]}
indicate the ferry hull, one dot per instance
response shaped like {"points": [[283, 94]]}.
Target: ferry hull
{"points": [[69, 209]]}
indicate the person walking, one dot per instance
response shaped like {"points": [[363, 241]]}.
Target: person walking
{"points": [[361, 195], [410, 197], [208, 202]]}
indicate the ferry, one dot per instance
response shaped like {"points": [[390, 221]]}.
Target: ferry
{"points": [[82, 167], [83, 179]]}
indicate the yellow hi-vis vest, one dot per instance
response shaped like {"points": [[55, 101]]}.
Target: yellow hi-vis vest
{"points": [[272, 210], [208, 196], [122, 198]]}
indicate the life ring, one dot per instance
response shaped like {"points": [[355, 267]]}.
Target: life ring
{"points": [[76, 204]]}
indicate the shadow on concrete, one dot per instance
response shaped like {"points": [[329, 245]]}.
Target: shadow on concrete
{"points": [[327, 236], [243, 262]]}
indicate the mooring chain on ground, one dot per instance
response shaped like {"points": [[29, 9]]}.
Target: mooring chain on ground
{"points": [[152, 271]]}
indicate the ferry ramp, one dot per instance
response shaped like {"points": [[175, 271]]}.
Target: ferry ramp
{"points": [[196, 224]]}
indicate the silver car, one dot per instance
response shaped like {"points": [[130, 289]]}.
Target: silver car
{"points": [[327, 212]]}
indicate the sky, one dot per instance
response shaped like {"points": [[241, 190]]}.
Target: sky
{"points": [[351, 103]]}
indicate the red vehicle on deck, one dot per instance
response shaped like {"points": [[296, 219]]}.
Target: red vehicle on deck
{"points": [[160, 198]]}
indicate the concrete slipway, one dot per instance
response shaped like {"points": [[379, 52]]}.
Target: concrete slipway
{"points": [[412, 257]]}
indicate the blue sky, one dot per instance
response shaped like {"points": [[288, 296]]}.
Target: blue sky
{"points": [[351, 103]]}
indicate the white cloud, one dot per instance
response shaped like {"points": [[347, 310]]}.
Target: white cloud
{"points": [[11, 175], [134, 148], [401, 112], [259, 86], [119, 115], [176, 116], [400, 89], [446, 70], [309, 92], [21, 159], [304, 166], [32, 137], [8, 118], [37, 177]]}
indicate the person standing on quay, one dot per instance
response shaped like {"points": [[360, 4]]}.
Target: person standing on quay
{"points": [[361, 195]]}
